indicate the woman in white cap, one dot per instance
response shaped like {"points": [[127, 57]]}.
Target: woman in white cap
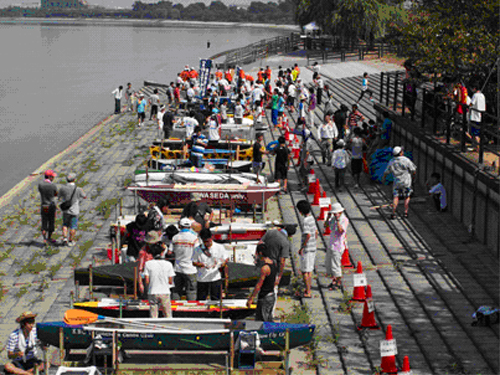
{"points": [[340, 159], [338, 223], [21, 347]]}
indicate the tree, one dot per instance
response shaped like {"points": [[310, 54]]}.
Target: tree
{"points": [[451, 37]]}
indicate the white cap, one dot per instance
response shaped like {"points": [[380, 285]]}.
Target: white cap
{"points": [[340, 143], [185, 222], [396, 150], [336, 208]]}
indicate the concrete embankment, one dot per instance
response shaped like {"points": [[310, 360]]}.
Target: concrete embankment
{"points": [[421, 286]]}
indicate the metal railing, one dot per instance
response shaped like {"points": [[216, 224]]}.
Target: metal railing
{"points": [[434, 110]]}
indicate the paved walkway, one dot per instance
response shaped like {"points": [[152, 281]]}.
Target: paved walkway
{"points": [[427, 277]]}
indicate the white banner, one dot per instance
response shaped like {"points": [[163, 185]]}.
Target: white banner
{"points": [[359, 279], [388, 348]]}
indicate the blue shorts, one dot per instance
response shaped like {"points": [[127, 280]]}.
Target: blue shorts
{"points": [[475, 129], [402, 192], [70, 221]]}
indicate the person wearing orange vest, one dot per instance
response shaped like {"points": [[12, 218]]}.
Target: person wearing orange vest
{"points": [[260, 75], [228, 75], [268, 72], [218, 74]]}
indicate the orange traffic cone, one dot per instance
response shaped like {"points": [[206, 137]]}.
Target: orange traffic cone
{"points": [[368, 320], [323, 210], [296, 148], [317, 193], [388, 351], [312, 182], [359, 285], [406, 367], [346, 260]]}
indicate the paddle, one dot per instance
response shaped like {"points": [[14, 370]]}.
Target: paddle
{"points": [[76, 317]]}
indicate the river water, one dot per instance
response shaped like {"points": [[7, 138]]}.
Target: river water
{"points": [[56, 79]]}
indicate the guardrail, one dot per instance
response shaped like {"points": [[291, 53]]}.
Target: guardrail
{"points": [[313, 48], [436, 112]]}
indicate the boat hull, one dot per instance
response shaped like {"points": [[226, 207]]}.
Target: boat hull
{"points": [[180, 309], [179, 196], [272, 335], [240, 275]]}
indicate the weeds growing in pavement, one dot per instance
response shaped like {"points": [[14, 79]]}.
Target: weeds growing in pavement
{"points": [[53, 270], [345, 306], [77, 256], [455, 366], [34, 266], [105, 207], [22, 291]]}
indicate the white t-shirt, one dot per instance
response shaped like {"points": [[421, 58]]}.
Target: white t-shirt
{"points": [[478, 102], [155, 99], [238, 111], [213, 131], [190, 123], [210, 272], [158, 271], [257, 94], [292, 90], [183, 245]]}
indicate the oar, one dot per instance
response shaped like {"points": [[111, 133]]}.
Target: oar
{"points": [[76, 316]]}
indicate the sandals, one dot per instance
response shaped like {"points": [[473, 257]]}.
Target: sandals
{"points": [[406, 215]]}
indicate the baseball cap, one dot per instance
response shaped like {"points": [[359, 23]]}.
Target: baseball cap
{"points": [[396, 150], [340, 143], [185, 222], [50, 173]]}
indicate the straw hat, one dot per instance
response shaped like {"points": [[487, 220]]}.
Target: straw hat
{"points": [[26, 315], [337, 208], [152, 237]]}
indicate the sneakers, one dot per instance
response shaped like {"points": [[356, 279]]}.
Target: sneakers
{"points": [[65, 242], [71, 243]]}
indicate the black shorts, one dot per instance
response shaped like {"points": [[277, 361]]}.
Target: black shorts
{"points": [[356, 166], [141, 115], [28, 365], [280, 172]]}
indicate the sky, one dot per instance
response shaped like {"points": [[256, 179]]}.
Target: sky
{"points": [[126, 3]]}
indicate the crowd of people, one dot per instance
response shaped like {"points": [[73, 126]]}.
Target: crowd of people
{"points": [[198, 265]]}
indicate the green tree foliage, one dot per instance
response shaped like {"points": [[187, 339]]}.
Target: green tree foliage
{"points": [[351, 20], [269, 12], [451, 37]]}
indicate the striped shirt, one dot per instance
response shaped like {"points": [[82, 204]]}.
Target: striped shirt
{"points": [[309, 228], [13, 343]]}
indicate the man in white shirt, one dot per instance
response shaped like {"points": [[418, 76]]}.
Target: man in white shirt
{"points": [[154, 100], [327, 132], [159, 277], [477, 107], [190, 123], [210, 259], [257, 95], [292, 92], [118, 93], [160, 121], [214, 127], [183, 245]]}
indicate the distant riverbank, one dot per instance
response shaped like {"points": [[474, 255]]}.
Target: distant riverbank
{"points": [[144, 23]]}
